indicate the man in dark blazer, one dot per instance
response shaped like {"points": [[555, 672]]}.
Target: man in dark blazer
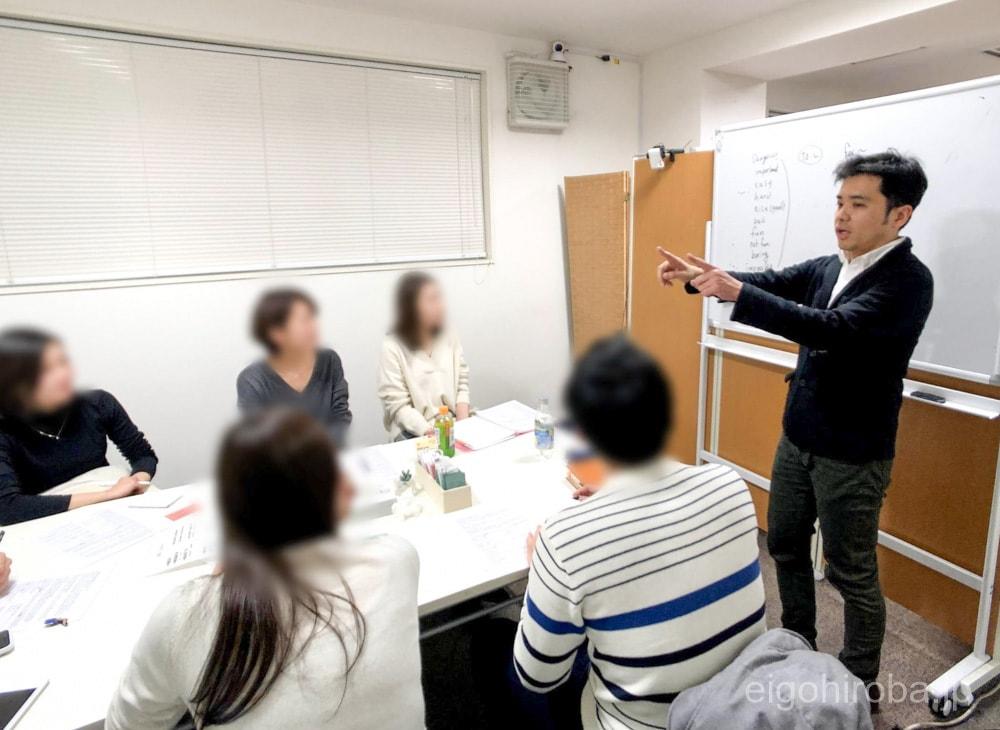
{"points": [[857, 316]]}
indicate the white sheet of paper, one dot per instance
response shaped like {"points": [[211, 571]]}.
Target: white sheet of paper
{"points": [[477, 433], [499, 532], [95, 480], [187, 543], [97, 535], [156, 499], [373, 471], [27, 603], [513, 414]]}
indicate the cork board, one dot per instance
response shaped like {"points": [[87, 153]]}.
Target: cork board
{"points": [[597, 254]]}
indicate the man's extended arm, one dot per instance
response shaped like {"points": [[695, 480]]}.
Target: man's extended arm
{"points": [[791, 282], [891, 309]]}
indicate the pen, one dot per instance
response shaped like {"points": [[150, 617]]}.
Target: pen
{"points": [[2, 533], [56, 622]]}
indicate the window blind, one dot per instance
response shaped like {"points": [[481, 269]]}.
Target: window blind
{"points": [[126, 157]]}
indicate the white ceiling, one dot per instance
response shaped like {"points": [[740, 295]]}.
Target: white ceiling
{"points": [[632, 27]]}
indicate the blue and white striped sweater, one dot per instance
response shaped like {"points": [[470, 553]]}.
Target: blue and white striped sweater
{"points": [[659, 571]]}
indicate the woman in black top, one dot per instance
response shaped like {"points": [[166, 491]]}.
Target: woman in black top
{"points": [[297, 372], [51, 433]]}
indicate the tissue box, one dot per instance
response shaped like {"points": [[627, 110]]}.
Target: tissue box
{"points": [[446, 499], [452, 479]]}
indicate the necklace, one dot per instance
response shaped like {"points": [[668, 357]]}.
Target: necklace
{"points": [[54, 436]]}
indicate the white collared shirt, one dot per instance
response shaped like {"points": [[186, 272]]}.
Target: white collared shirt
{"points": [[850, 270]]}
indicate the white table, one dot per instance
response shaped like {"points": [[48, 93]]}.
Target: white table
{"points": [[83, 661]]}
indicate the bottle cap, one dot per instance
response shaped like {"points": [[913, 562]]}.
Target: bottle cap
{"points": [[443, 410]]}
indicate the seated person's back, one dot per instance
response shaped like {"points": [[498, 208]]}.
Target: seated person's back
{"points": [[330, 625], [658, 571], [297, 372]]}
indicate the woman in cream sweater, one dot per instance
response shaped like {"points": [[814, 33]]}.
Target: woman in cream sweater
{"points": [[422, 366], [299, 629]]}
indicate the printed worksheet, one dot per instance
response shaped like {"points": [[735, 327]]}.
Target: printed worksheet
{"points": [[96, 535], [499, 532], [27, 603], [187, 543]]}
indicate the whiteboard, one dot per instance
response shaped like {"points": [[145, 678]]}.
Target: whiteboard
{"points": [[774, 202]]}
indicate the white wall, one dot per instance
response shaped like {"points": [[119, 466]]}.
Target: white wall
{"points": [[729, 98], [171, 352]]}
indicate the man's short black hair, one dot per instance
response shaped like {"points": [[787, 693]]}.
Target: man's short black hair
{"points": [[903, 178], [621, 401]]}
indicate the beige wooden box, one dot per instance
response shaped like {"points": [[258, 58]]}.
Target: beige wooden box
{"points": [[447, 500]]}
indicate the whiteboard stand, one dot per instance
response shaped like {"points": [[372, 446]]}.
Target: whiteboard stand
{"points": [[699, 439], [955, 688]]}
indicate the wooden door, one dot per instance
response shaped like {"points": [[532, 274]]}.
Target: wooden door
{"points": [[672, 206]]}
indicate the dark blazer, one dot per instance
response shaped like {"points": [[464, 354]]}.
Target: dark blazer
{"points": [[847, 387]]}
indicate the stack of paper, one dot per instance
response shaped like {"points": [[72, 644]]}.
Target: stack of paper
{"points": [[491, 426], [512, 415], [477, 433]]}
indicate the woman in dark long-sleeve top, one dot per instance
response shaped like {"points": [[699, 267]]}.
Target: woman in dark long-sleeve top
{"points": [[51, 433], [297, 372]]}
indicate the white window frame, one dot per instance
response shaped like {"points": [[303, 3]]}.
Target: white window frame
{"points": [[288, 54]]}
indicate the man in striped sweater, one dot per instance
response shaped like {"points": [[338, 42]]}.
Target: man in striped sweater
{"points": [[658, 572]]}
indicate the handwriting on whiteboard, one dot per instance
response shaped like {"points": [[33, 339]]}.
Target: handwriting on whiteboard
{"points": [[810, 154], [769, 223]]}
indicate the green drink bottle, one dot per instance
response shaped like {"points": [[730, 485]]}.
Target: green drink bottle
{"points": [[444, 424]]}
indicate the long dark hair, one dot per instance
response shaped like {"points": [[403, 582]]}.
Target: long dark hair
{"points": [[21, 350], [407, 326], [275, 475]]}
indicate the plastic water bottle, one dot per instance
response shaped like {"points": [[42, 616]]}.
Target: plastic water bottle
{"points": [[545, 429]]}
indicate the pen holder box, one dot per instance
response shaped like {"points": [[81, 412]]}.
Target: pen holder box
{"points": [[447, 500]]}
